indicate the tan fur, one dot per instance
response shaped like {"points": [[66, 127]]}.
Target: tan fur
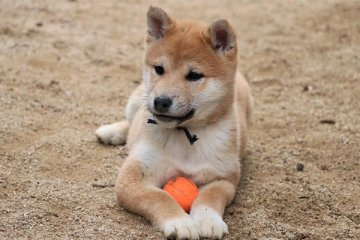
{"points": [[159, 152]]}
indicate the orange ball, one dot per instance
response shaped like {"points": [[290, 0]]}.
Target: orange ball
{"points": [[183, 190]]}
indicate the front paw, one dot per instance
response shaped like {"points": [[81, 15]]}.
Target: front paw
{"points": [[180, 228], [209, 223], [114, 134]]}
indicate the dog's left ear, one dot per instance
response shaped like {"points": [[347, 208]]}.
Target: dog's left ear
{"points": [[159, 23], [222, 36]]}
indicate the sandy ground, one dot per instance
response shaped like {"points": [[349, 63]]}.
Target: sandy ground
{"points": [[68, 66]]}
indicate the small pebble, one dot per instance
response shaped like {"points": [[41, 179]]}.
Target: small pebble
{"points": [[308, 88], [327, 121], [299, 167], [324, 167]]}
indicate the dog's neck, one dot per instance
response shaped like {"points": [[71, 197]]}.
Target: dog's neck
{"points": [[190, 137], [193, 138]]}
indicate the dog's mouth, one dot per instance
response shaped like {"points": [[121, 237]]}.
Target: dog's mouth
{"points": [[169, 118]]}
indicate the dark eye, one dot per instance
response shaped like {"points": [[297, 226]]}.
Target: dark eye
{"points": [[194, 76], [159, 70]]}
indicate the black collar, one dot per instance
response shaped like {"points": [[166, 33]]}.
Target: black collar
{"points": [[191, 138]]}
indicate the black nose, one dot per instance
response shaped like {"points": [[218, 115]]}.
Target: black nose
{"points": [[162, 104]]}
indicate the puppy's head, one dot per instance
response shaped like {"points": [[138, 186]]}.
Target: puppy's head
{"points": [[189, 69]]}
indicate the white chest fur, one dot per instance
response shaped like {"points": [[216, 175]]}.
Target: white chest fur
{"points": [[168, 153]]}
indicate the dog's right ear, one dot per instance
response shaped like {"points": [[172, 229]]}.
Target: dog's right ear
{"points": [[159, 23]]}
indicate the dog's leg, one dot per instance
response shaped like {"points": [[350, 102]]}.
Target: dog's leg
{"points": [[137, 195], [208, 208], [116, 133]]}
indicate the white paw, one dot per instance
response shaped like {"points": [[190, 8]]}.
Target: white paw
{"points": [[114, 134], [180, 228], [209, 223]]}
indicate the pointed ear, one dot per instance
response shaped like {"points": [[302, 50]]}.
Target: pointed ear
{"points": [[222, 36], [158, 23]]}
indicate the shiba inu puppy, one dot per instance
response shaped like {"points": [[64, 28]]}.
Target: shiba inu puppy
{"points": [[190, 87]]}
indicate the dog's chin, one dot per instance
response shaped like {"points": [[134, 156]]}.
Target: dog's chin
{"points": [[169, 125], [169, 121]]}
